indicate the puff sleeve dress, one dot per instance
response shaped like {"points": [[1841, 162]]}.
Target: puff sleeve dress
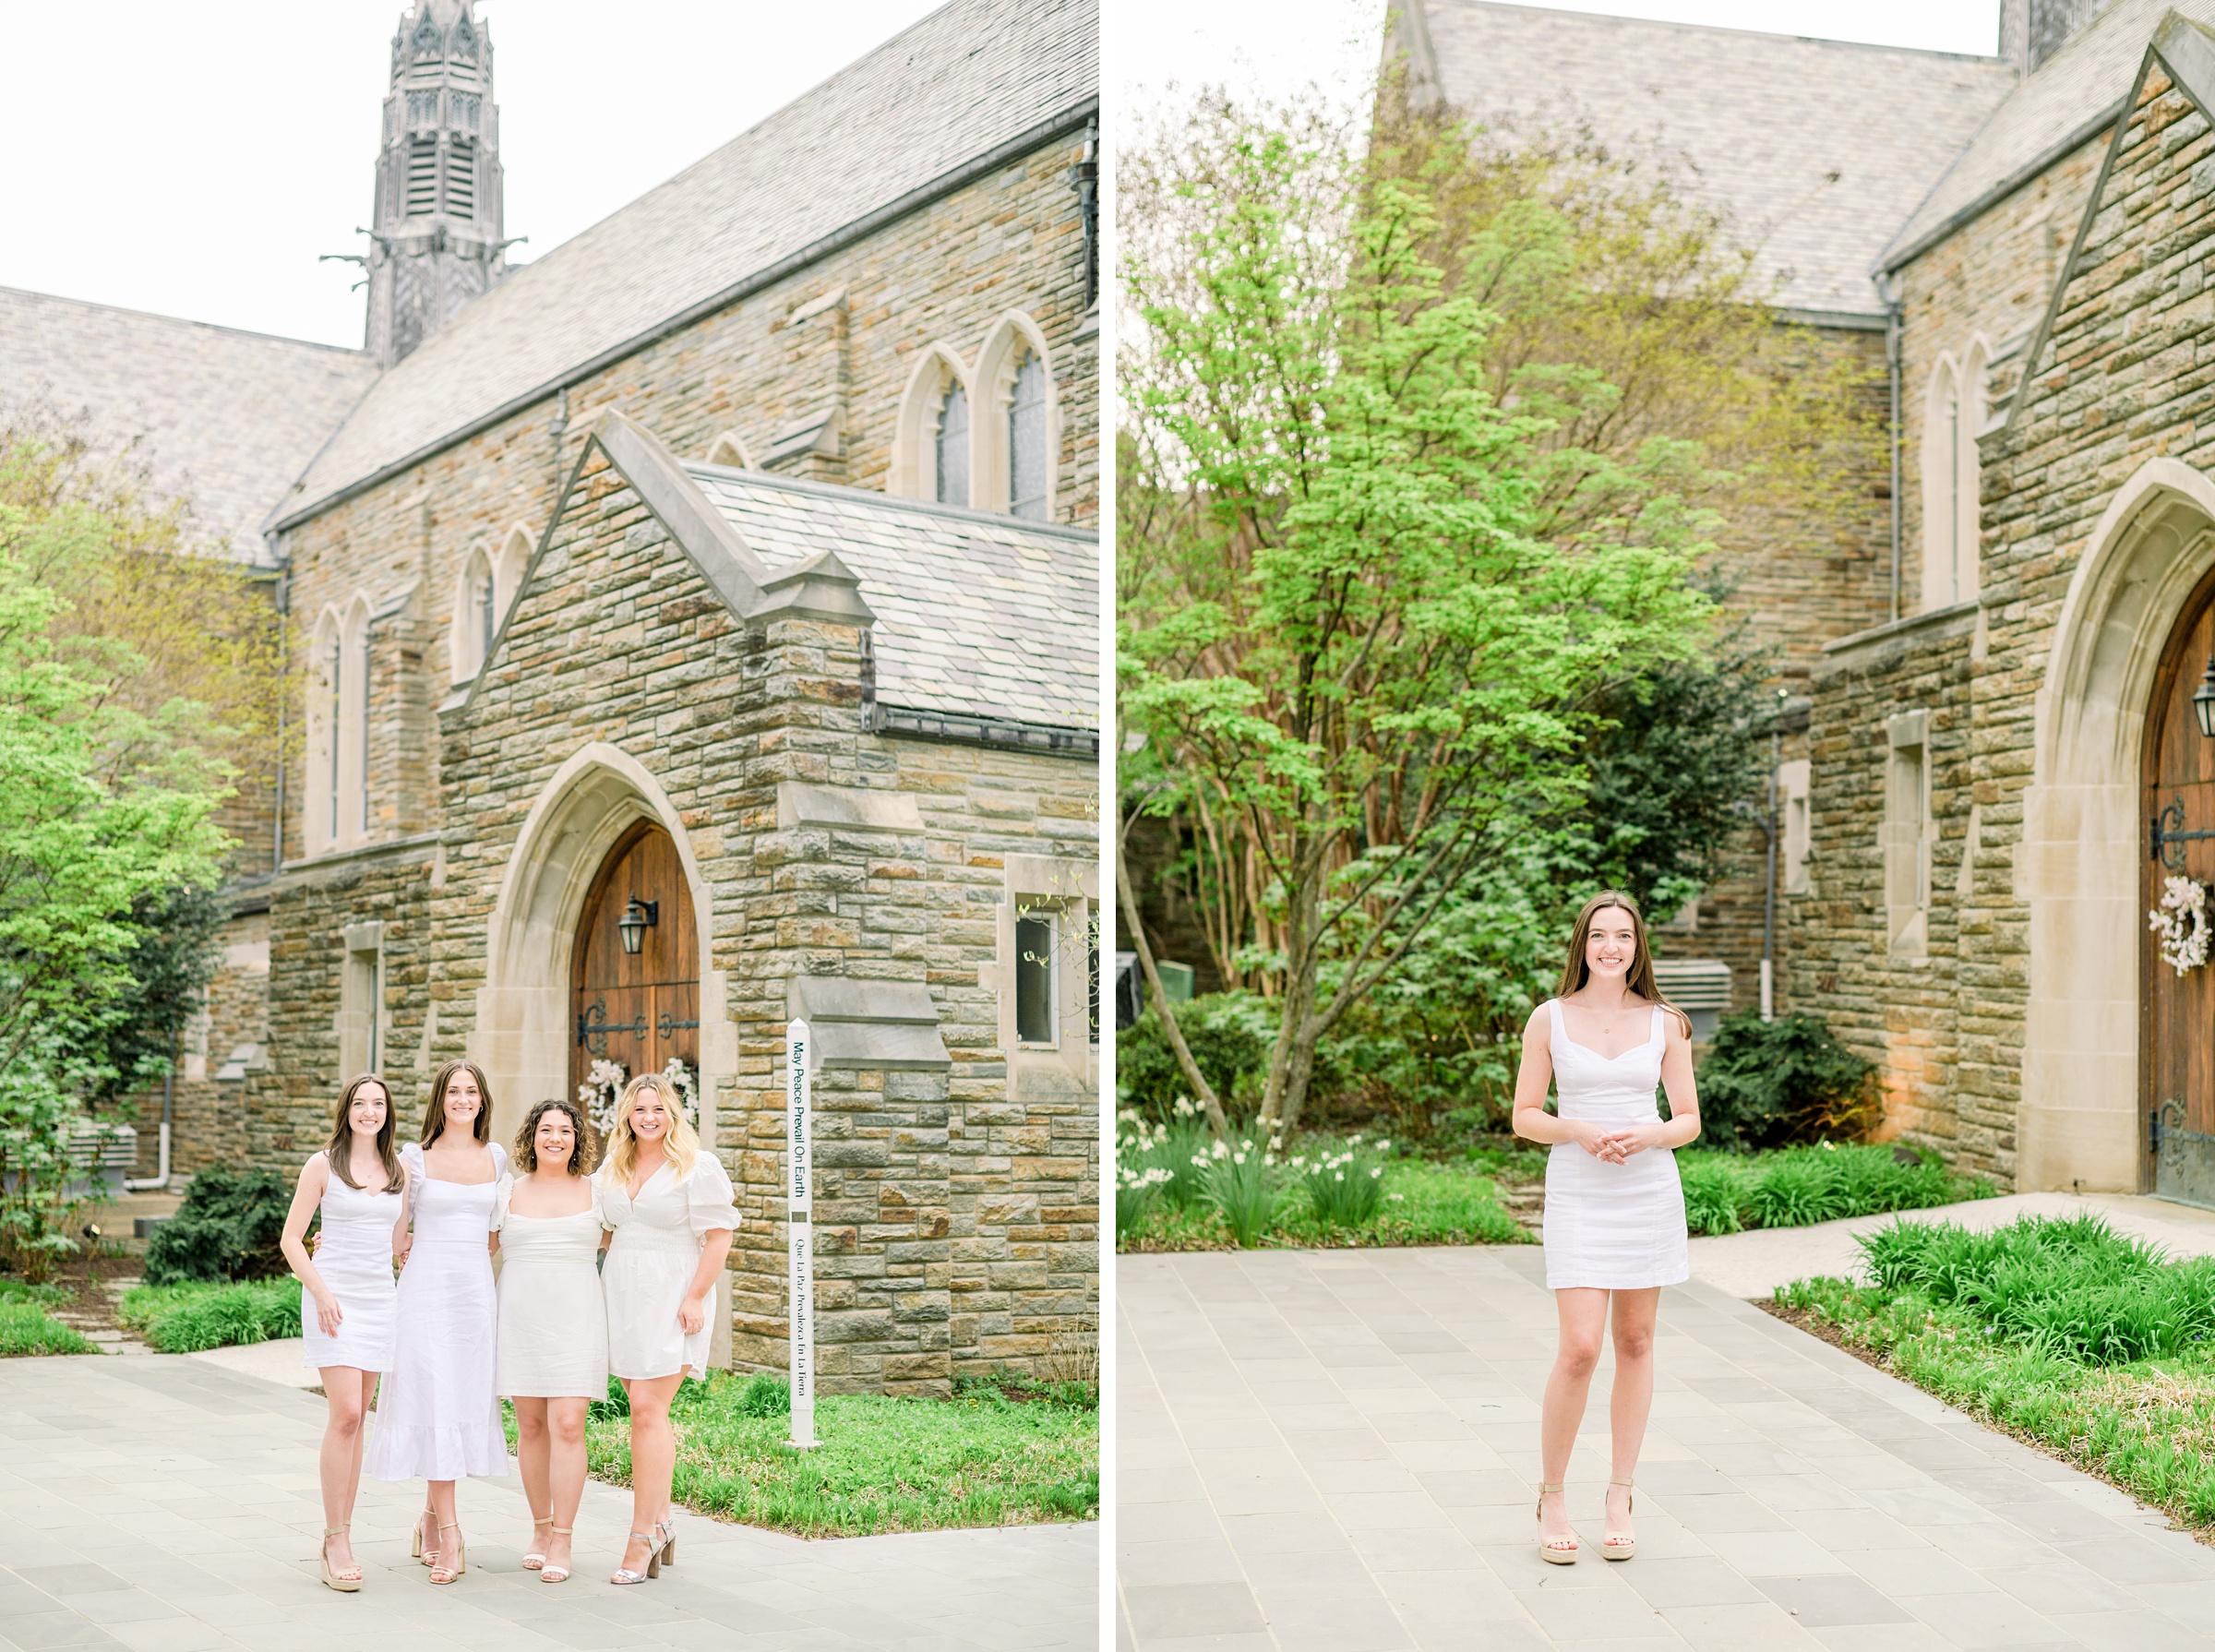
{"points": [[436, 1415], [552, 1340], [650, 1261]]}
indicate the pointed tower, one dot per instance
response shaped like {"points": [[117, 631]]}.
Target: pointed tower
{"points": [[435, 234]]}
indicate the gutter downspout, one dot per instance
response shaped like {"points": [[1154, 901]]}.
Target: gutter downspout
{"points": [[1895, 324], [1768, 897], [284, 662], [161, 1175]]}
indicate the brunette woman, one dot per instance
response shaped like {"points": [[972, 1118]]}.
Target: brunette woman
{"points": [[670, 1206], [439, 1418], [552, 1341], [1614, 1207], [347, 1300]]}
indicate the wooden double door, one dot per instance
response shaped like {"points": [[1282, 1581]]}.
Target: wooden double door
{"points": [[2177, 1024], [636, 1008]]}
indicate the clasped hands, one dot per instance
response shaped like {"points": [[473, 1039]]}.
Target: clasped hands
{"points": [[1615, 1146]]}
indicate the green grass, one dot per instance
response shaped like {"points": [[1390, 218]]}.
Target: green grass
{"points": [[14, 1291], [1422, 1204], [2062, 1332], [1001, 1451], [25, 1328], [1727, 1193], [184, 1319]]}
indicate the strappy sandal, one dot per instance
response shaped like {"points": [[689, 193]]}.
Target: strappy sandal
{"points": [[1612, 1546], [348, 1581], [547, 1574], [1562, 1551], [441, 1571], [653, 1561], [537, 1557], [417, 1551], [668, 1550]]}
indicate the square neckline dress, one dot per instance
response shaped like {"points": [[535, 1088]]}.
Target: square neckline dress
{"points": [[1611, 1226]]}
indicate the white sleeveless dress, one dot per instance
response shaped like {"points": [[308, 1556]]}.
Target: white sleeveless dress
{"points": [[552, 1317], [354, 1256], [1611, 1226], [437, 1417]]}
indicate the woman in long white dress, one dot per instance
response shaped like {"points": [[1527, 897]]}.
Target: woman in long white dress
{"points": [[553, 1342], [347, 1300], [1614, 1206], [439, 1418], [671, 1209]]}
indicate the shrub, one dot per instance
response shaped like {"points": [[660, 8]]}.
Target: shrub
{"points": [[185, 1318], [1796, 1186], [1344, 1188], [1229, 1034], [765, 1395], [1239, 1183], [1766, 1084], [226, 1229]]}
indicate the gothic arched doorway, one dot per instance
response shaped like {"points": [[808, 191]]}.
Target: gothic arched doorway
{"points": [[639, 1009], [2177, 1022]]}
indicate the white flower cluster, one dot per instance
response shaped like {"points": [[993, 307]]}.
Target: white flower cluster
{"points": [[1219, 1149], [1152, 1175], [2181, 920], [602, 1087], [1334, 1165]]}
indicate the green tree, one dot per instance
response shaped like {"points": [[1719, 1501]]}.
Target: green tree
{"points": [[1345, 637]]}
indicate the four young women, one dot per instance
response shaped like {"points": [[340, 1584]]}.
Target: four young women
{"points": [[448, 1345]]}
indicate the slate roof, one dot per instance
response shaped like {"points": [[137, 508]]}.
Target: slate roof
{"points": [[978, 616], [223, 419], [965, 79], [2073, 97], [1816, 150]]}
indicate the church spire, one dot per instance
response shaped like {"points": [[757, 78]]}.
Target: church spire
{"points": [[436, 236]]}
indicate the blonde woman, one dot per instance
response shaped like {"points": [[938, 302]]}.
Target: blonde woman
{"points": [[553, 1343], [670, 1207], [439, 1418], [1614, 1207], [347, 1300]]}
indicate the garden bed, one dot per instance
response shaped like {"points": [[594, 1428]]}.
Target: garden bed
{"points": [[185, 1319], [1437, 1204], [26, 1326], [1796, 1187], [1001, 1451], [2060, 1332]]}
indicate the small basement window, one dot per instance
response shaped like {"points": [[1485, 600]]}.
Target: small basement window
{"points": [[1034, 979]]}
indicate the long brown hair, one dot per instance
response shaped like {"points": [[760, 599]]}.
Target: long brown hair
{"points": [[1640, 978], [583, 1156], [339, 1152], [433, 1118]]}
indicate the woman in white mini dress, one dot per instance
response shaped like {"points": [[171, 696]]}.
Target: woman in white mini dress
{"points": [[671, 1209], [1614, 1207], [553, 1343], [439, 1418], [347, 1300]]}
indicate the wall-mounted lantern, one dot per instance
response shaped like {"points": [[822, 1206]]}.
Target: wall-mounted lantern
{"points": [[2203, 700], [638, 917]]}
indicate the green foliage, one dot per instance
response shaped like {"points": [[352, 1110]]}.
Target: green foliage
{"points": [[1158, 1160], [25, 1329], [184, 1319], [1798, 1186], [169, 967], [982, 1458], [1345, 1185], [41, 1187], [617, 1404], [227, 1227], [1229, 1034], [1427, 1204], [17, 1292], [1239, 1183], [1764, 1083]]}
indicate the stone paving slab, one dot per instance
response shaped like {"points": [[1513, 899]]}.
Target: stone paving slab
{"points": [[165, 1503], [1339, 1450], [1756, 1263]]}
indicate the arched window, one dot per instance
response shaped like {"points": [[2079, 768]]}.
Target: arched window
{"points": [[349, 703], [954, 445], [477, 615], [729, 448], [1027, 460], [326, 684], [1953, 414], [513, 563]]}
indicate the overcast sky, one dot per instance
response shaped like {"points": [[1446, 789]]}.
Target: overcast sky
{"points": [[1276, 46], [193, 160]]}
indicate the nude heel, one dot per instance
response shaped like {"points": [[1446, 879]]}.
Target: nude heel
{"points": [[553, 1573], [1612, 1546], [1553, 1551], [338, 1580], [442, 1573]]}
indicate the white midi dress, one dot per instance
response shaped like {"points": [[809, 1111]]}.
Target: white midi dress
{"points": [[1611, 1226], [437, 1417], [651, 1261], [354, 1256], [553, 1319]]}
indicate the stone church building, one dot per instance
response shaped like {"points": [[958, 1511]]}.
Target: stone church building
{"points": [[1997, 764], [697, 629]]}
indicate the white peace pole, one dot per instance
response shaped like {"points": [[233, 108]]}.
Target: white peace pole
{"points": [[799, 1206]]}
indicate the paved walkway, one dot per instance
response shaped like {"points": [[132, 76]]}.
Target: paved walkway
{"points": [[167, 1504], [1338, 1450]]}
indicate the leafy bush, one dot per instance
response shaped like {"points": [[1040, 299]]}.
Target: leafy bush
{"points": [[1797, 1186], [226, 1229], [1344, 1188], [185, 1318], [1239, 1185], [1229, 1034], [765, 1395], [1768, 1084], [25, 1329]]}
